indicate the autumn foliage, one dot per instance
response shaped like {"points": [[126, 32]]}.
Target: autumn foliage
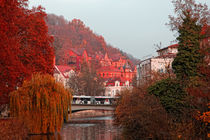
{"points": [[42, 102], [25, 46], [87, 82], [13, 129], [180, 108], [75, 34], [141, 116]]}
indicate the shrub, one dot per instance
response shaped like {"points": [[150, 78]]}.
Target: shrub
{"points": [[141, 116]]}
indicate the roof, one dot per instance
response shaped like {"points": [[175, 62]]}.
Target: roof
{"points": [[109, 69], [169, 55], [113, 80], [115, 57], [78, 51], [171, 46], [63, 69]]}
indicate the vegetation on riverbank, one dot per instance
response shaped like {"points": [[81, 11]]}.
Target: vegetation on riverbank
{"points": [[13, 129], [37, 104], [26, 46], [42, 103], [174, 107]]}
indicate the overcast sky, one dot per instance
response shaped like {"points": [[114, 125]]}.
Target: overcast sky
{"points": [[133, 26]]}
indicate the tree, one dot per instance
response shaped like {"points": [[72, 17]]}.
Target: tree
{"points": [[43, 103], [75, 84], [198, 12], [172, 96], [57, 44], [191, 17], [190, 64], [185, 65], [141, 116], [10, 67], [25, 45], [87, 82]]}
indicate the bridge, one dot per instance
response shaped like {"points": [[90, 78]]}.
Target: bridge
{"points": [[81, 107]]}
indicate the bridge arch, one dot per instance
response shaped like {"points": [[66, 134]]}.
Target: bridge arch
{"points": [[82, 107]]}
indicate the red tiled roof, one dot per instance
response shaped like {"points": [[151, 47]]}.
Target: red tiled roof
{"points": [[111, 81], [99, 56], [109, 69], [115, 58], [63, 69], [78, 51]]}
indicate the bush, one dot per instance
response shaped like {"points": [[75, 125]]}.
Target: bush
{"points": [[141, 116]]}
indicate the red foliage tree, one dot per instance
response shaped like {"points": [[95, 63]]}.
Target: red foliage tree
{"points": [[24, 45]]}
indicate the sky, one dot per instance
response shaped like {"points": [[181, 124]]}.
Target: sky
{"points": [[134, 26]]}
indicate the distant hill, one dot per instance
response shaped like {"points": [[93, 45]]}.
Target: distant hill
{"points": [[74, 34]]}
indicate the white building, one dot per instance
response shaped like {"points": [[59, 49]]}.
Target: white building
{"points": [[63, 73], [116, 85], [162, 63]]}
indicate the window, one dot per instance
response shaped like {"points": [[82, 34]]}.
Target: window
{"points": [[117, 84], [72, 60], [161, 70]]}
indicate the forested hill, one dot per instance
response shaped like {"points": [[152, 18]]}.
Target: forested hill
{"points": [[74, 34]]}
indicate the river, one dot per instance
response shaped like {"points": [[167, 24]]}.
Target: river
{"points": [[86, 125]]}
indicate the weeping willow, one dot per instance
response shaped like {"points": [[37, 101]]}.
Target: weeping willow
{"points": [[42, 103]]}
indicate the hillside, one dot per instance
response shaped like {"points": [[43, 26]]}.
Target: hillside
{"points": [[74, 34]]}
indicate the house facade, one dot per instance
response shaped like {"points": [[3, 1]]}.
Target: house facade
{"points": [[161, 63], [63, 73], [115, 85]]}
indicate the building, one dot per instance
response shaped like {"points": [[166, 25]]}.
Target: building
{"points": [[112, 69], [161, 63], [117, 66], [63, 73], [114, 86]]}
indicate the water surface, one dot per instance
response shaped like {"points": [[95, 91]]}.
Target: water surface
{"points": [[86, 125]]}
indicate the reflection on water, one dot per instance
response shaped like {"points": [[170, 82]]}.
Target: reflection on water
{"points": [[46, 137], [99, 127], [100, 131]]}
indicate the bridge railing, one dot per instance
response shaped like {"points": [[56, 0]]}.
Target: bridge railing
{"points": [[100, 100]]}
